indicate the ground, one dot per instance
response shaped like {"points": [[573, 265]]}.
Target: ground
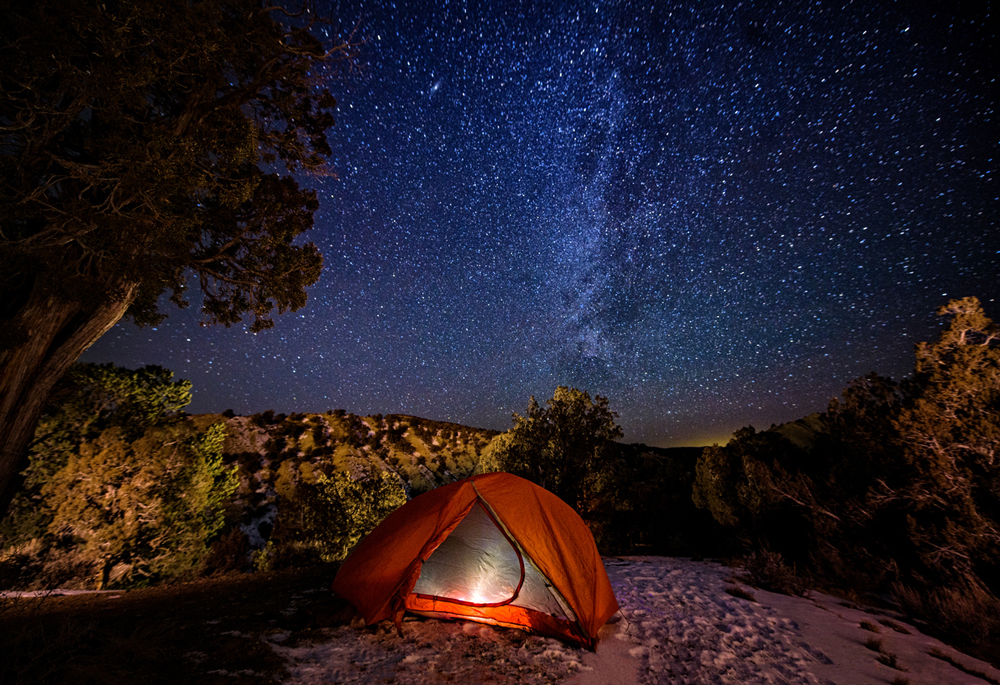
{"points": [[681, 622], [209, 631]]}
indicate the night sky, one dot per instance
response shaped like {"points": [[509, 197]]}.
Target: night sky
{"points": [[714, 214]]}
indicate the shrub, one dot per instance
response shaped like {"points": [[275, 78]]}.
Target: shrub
{"points": [[322, 517], [740, 593], [120, 485], [869, 626], [969, 615], [890, 660], [767, 570], [900, 489], [563, 447], [874, 644], [263, 419], [149, 507], [947, 658], [229, 552], [892, 625]]}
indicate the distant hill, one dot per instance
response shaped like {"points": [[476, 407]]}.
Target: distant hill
{"points": [[802, 432], [278, 453], [422, 452]]}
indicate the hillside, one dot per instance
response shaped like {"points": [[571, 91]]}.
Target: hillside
{"points": [[423, 453], [277, 455], [118, 507]]}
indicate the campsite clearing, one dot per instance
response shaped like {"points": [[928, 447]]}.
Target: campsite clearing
{"points": [[678, 625]]}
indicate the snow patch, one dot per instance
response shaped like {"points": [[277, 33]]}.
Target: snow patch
{"points": [[252, 529], [677, 625]]}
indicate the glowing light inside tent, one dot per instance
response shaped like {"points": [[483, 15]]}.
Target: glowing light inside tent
{"points": [[483, 590], [475, 564], [478, 565]]}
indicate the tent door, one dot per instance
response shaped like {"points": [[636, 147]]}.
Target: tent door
{"points": [[477, 565]]}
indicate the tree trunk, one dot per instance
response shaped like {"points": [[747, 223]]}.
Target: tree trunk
{"points": [[58, 333]]}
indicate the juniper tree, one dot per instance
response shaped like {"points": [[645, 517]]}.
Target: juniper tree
{"points": [[145, 145], [561, 446]]}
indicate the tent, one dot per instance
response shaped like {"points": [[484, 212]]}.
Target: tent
{"points": [[493, 548]]}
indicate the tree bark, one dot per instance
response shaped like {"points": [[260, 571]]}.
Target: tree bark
{"points": [[59, 331]]}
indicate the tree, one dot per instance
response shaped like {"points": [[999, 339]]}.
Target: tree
{"points": [[142, 145], [560, 447], [745, 483], [950, 438], [902, 492], [121, 475], [323, 516], [144, 509], [88, 400]]}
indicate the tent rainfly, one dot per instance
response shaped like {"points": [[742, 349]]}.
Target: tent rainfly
{"points": [[493, 548]]}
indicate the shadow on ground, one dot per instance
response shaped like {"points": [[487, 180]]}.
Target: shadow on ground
{"points": [[207, 631]]}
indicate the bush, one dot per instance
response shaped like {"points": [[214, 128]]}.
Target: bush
{"points": [[121, 486], [902, 489], [263, 419], [145, 509], [740, 593], [767, 570], [321, 517], [561, 447], [874, 644], [229, 552], [969, 615], [347, 507]]}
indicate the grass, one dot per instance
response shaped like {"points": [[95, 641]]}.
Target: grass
{"points": [[186, 632], [767, 570], [889, 623], [874, 644], [947, 658], [967, 618], [890, 660], [740, 593]]}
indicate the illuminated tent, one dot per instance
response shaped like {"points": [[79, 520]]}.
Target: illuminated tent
{"points": [[492, 548]]}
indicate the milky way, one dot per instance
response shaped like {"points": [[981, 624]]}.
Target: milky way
{"points": [[714, 214]]}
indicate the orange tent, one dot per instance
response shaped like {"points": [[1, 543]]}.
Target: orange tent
{"points": [[493, 548]]}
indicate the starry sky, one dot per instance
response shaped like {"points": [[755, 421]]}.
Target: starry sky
{"points": [[716, 214]]}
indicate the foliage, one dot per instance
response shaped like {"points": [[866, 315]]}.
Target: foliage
{"points": [[90, 399], [631, 496], [740, 593], [132, 147], [118, 480], [767, 570], [146, 145], [143, 509], [101, 395], [328, 515], [562, 447], [645, 507], [748, 482], [950, 439], [901, 493], [968, 610]]}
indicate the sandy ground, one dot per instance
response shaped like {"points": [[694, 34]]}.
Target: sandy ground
{"points": [[677, 625]]}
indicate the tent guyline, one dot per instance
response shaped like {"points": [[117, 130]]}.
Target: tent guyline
{"points": [[492, 548]]}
